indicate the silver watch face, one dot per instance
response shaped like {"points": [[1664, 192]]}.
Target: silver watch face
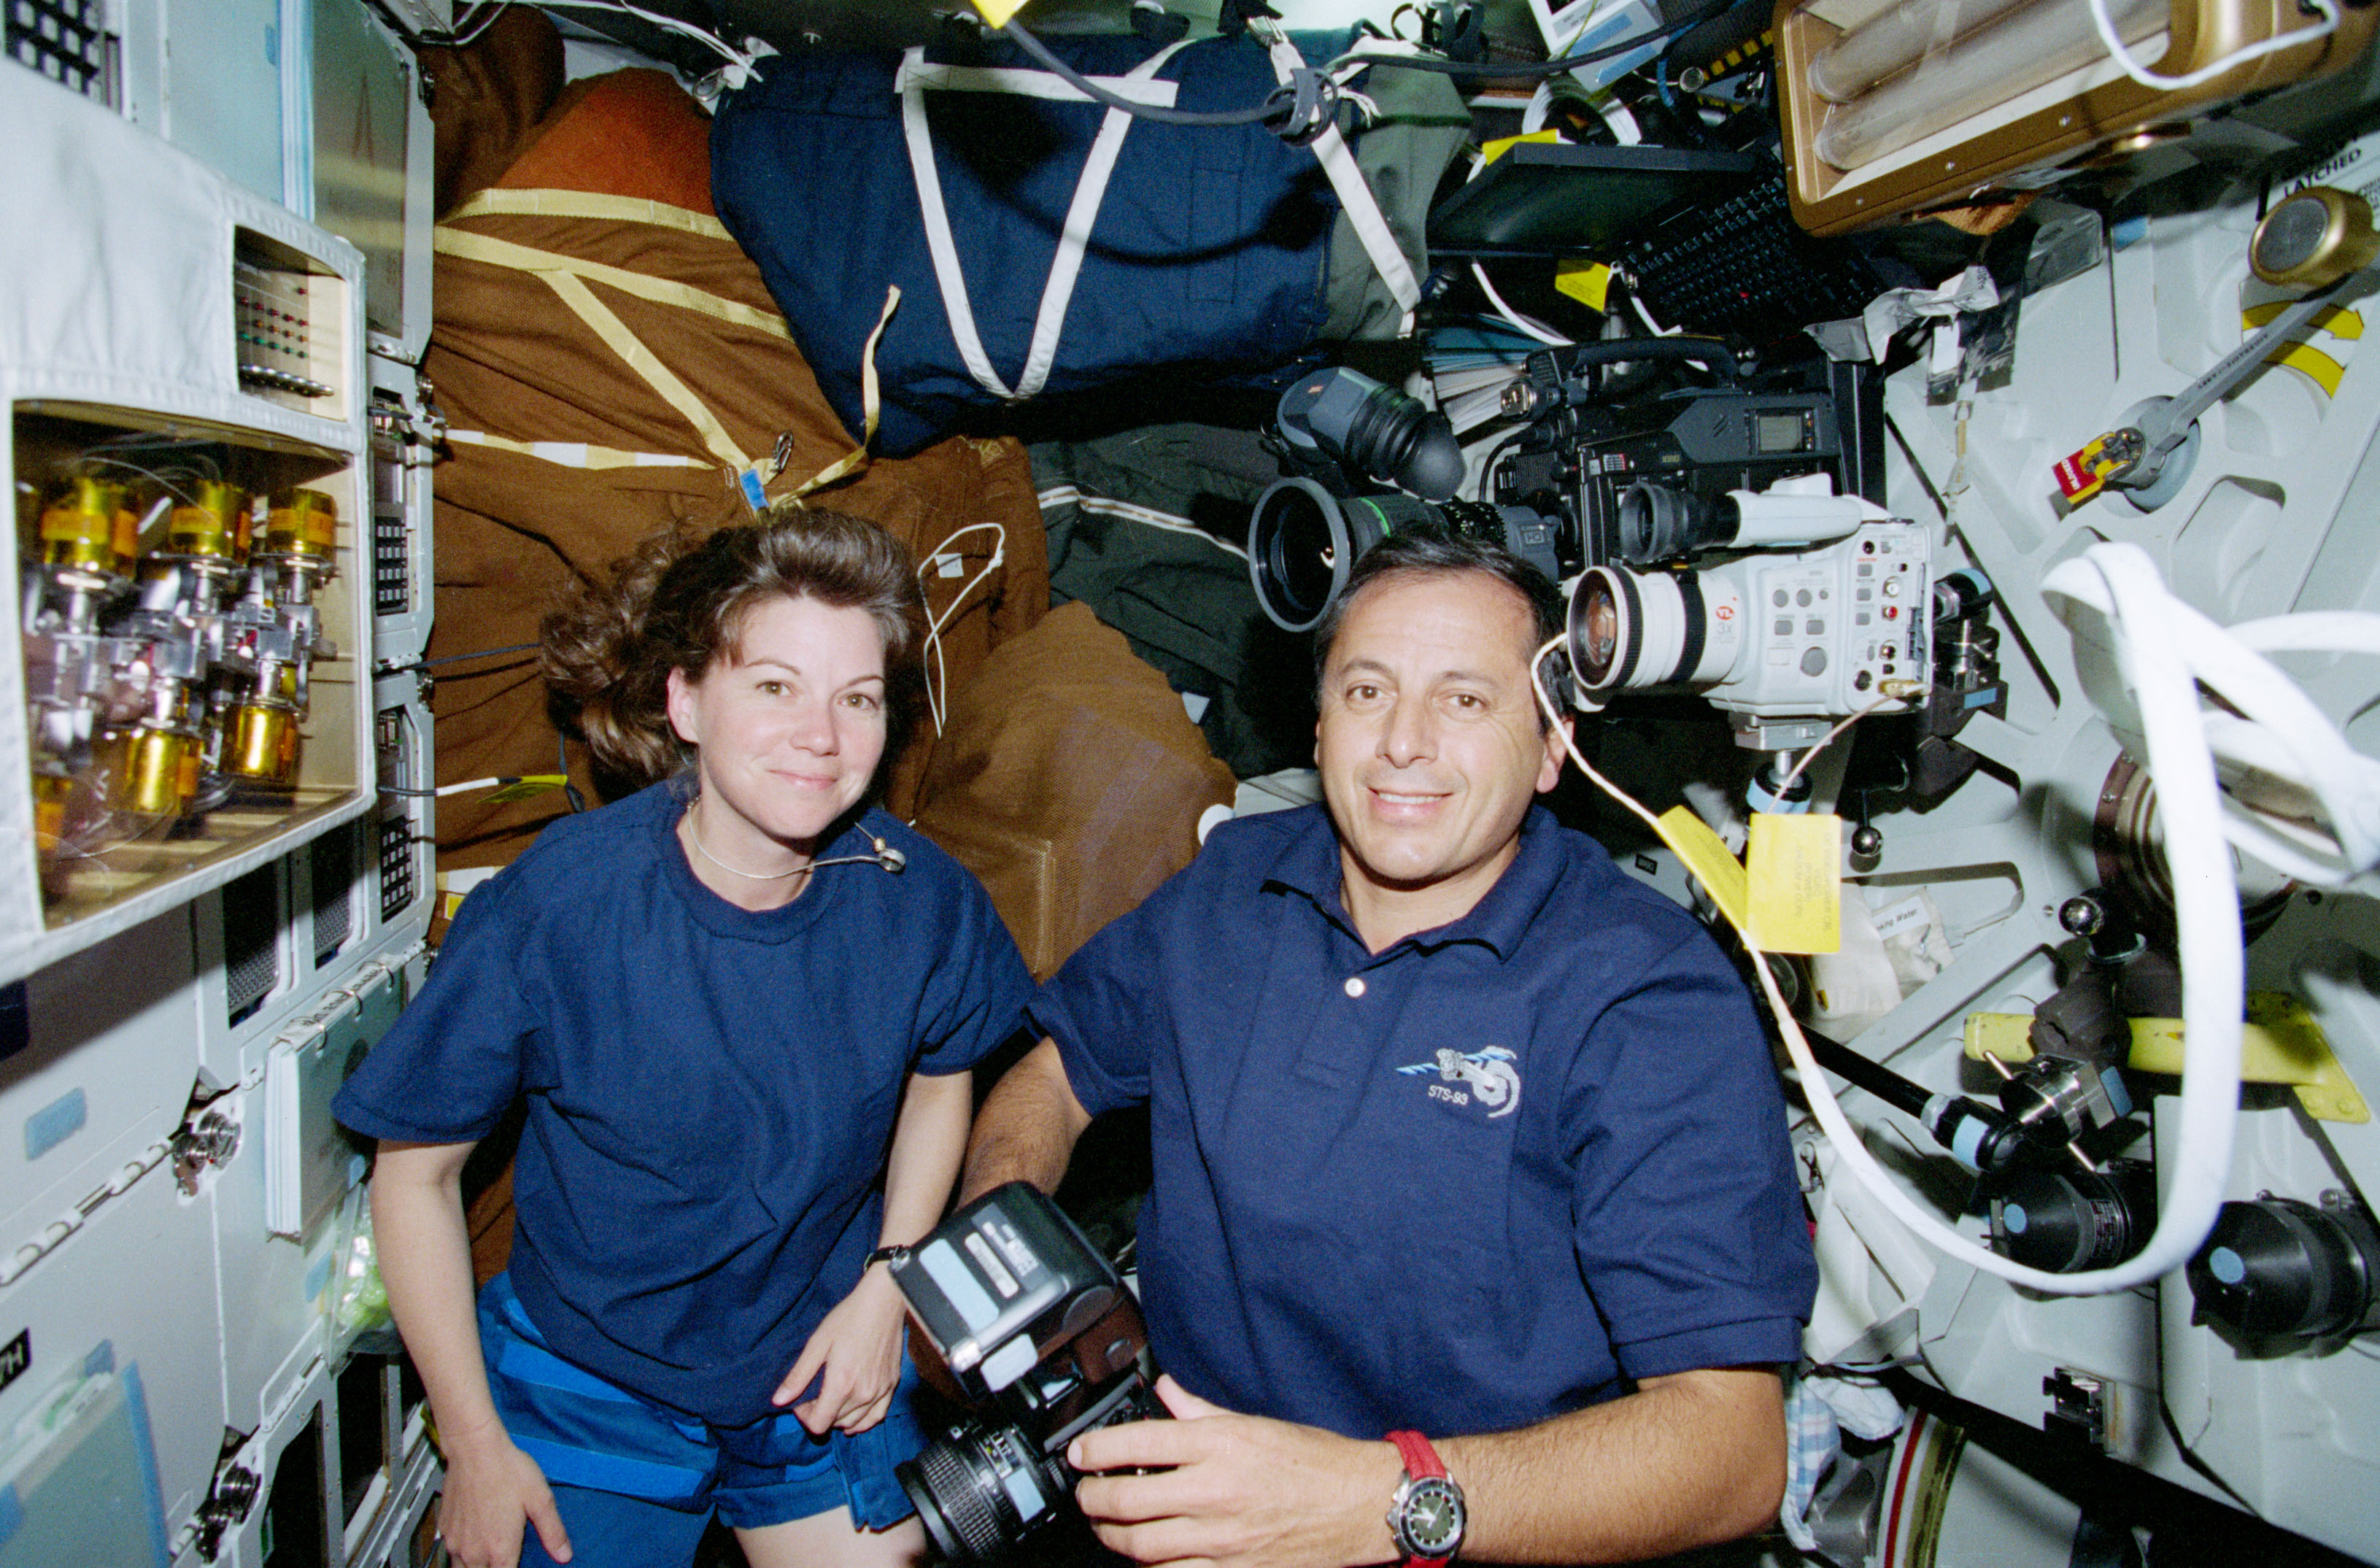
{"points": [[1429, 1517]]}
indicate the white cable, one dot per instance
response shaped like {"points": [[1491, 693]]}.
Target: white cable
{"points": [[2276, 729], [726, 50], [1636, 302], [1535, 329], [930, 654], [2131, 66], [2206, 907]]}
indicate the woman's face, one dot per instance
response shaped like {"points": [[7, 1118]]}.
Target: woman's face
{"points": [[788, 728]]}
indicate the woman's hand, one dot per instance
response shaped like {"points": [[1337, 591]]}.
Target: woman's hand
{"points": [[857, 1349], [492, 1490]]}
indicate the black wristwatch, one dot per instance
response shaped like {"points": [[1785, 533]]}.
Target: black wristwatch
{"points": [[1426, 1516], [896, 1253]]}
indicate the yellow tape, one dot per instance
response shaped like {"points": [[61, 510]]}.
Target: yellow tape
{"points": [[621, 341], [997, 12], [2335, 320], [547, 203], [2326, 372], [1490, 151], [1707, 855], [1794, 874], [550, 265], [2280, 1043]]}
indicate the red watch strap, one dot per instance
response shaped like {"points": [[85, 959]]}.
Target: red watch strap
{"points": [[1421, 1460]]}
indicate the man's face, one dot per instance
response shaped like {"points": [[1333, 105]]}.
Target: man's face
{"points": [[1429, 744]]}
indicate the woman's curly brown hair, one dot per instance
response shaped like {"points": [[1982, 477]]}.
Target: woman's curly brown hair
{"points": [[679, 603]]}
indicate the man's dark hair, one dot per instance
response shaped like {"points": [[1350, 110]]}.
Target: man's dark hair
{"points": [[1427, 553]]}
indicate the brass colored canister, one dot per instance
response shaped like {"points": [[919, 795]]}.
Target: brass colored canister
{"points": [[51, 792], [89, 523], [216, 528], [148, 778], [265, 742], [301, 522]]}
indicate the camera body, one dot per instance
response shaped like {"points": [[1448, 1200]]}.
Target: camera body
{"points": [[1705, 444], [1800, 609], [1039, 1330]]}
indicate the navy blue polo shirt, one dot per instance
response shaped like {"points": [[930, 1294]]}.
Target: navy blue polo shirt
{"points": [[1482, 1178], [710, 1091]]}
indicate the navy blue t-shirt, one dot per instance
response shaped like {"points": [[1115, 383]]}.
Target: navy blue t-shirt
{"points": [[710, 1091], [1483, 1178]]}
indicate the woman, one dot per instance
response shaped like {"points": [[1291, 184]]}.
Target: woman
{"points": [[737, 1005]]}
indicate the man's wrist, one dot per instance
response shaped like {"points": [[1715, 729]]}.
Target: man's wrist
{"points": [[1427, 1515]]}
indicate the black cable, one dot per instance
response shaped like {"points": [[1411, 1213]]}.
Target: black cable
{"points": [[457, 658]]}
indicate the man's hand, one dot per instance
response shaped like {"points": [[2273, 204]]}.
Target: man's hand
{"points": [[1240, 1491], [858, 1347], [492, 1492]]}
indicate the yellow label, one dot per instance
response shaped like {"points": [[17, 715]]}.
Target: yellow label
{"points": [[997, 12], [1490, 151], [1708, 857], [1589, 283], [1794, 872]]}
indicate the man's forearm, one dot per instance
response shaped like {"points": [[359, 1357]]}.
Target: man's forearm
{"points": [[1026, 1129], [1685, 1461]]}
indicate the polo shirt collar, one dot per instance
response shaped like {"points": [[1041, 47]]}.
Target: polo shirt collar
{"points": [[1309, 865]]}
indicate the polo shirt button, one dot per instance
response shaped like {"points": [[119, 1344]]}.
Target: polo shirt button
{"points": [[1355, 985]]}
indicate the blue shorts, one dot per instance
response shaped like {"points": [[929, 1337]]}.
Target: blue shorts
{"points": [[586, 1432]]}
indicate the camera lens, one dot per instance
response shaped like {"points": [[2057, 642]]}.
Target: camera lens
{"points": [[1660, 524], [1303, 540], [979, 1491], [1630, 629]]}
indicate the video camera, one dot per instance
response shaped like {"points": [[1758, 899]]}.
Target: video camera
{"points": [[1339, 433], [1036, 1324]]}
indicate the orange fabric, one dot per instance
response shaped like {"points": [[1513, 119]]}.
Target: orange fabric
{"points": [[631, 133]]}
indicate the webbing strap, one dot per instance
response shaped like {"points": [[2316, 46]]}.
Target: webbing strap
{"points": [[1354, 194], [553, 203], [575, 454], [870, 403], [915, 77], [553, 264], [621, 341]]}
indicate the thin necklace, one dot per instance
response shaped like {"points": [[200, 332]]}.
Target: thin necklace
{"points": [[694, 825]]}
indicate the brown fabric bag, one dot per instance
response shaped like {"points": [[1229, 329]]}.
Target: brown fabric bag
{"points": [[1071, 781]]}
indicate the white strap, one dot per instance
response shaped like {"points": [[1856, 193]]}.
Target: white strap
{"points": [[912, 80], [1354, 194], [575, 454], [919, 71]]}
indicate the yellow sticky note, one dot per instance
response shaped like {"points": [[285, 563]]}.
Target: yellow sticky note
{"points": [[1793, 866], [1589, 283], [1491, 150], [1708, 857], [997, 12]]}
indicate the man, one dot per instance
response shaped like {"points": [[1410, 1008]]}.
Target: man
{"points": [[1457, 1132]]}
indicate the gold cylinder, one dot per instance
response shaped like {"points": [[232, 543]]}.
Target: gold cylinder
{"points": [[301, 522], [51, 792], [263, 743], [148, 773], [87, 524], [216, 528]]}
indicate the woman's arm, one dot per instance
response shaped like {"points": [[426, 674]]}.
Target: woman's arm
{"points": [[425, 1260], [857, 1346]]}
